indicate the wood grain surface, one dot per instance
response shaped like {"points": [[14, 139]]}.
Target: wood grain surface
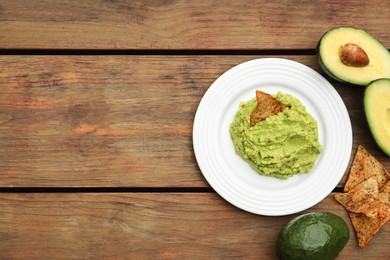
{"points": [[116, 121], [175, 24], [97, 103], [149, 226]]}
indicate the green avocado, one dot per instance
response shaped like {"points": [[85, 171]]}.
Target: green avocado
{"points": [[317, 235], [352, 55], [377, 110]]}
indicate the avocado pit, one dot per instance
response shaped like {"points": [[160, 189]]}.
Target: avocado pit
{"points": [[353, 55]]}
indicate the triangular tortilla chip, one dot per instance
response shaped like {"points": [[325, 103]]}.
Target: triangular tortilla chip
{"points": [[366, 178], [384, 197], [364, 198], [384, 194], [366, 227], [267, 105], [364, 166]]}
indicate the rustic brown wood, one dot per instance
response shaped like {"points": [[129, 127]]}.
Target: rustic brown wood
{"points": [[149, 226], [126, 121], [116, 121], [203, 24]]}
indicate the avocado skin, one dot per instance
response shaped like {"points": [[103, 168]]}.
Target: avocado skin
{"points": [[318, 235]]}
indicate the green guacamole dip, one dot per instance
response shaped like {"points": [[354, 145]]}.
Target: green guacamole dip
{"points": [[282, 145]]}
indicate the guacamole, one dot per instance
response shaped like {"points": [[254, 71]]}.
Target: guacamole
{"points": [[282, 145]]}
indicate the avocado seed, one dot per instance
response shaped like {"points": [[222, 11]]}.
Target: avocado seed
{"points": [[353, 55]]}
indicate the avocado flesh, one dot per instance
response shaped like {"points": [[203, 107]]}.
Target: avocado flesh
{"points": [[377, 110], [328, 56]]}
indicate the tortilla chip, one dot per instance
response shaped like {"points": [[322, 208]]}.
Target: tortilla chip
{"points": [[367, 197], [364, 198], [384, 197], [267, 105], [364, 166], [384, 194], [366, 227]]}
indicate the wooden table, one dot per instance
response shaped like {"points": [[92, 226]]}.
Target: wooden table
{"points": [[97, 102]]}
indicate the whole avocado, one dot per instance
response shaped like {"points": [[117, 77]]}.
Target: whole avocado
{"points": [[317, 235]]}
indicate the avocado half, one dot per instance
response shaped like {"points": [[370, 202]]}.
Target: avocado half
{"points": [[369, 59], [377, 110]]}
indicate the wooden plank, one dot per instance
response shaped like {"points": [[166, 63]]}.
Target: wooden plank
{"points": [[149, 226], [203, 24], [99, 121], [116, 121]]}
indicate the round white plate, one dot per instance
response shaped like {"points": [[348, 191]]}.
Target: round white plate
{"points": [[233, 178]]}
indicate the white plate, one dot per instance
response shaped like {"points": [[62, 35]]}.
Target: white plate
{"points": [[233, 178]]}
